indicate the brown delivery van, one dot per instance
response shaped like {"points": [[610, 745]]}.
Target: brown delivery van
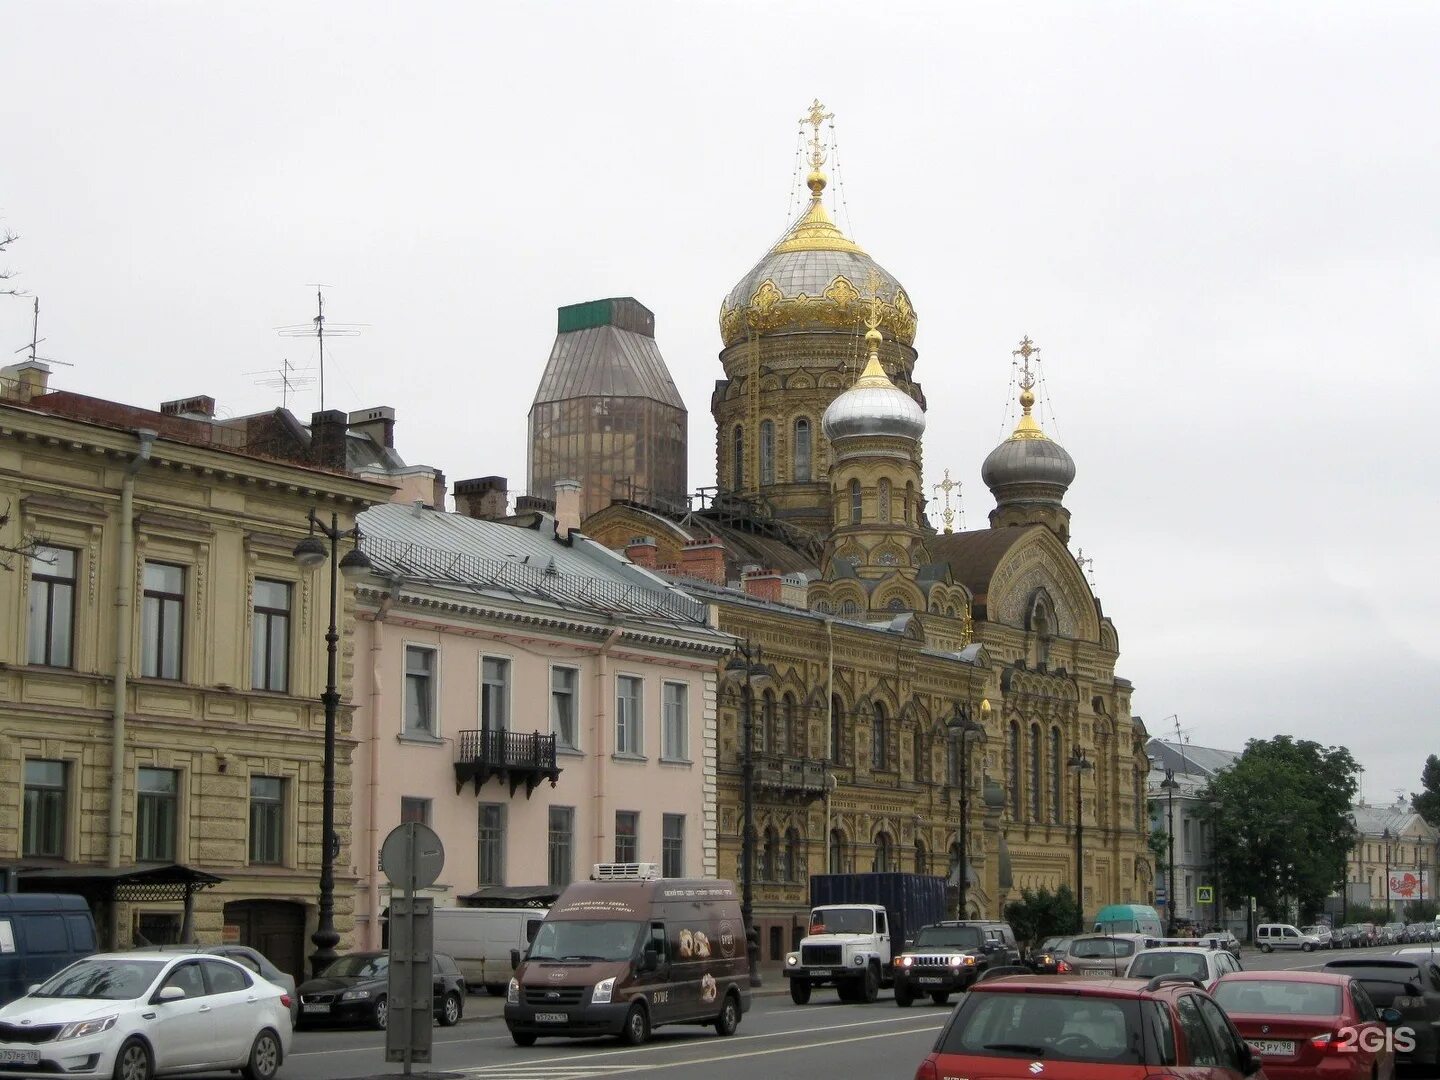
{"points": [[628, 951]]}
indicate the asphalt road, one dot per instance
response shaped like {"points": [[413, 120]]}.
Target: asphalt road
{"points": [[777, 1040]]}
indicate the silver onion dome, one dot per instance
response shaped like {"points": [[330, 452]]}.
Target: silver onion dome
{"points": [[874, 405]]}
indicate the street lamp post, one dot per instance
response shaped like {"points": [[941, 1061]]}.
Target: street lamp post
{"points": [[310, 553], [1387, 836], [965, 730], [1080, 765], [1170, 784], [747, 667]]}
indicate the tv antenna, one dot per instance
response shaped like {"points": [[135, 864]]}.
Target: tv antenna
{"points": [[285, 378], [320, 329], [33, 344]]}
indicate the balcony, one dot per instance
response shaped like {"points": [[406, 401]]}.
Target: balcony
{"points": [[514, 756], [801, 777]]}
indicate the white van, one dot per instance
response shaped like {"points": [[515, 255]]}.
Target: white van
{"points": [[1272, 936], [480, 940]]}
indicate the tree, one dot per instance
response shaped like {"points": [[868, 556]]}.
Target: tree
{"points": [[1427, 803], [1281, 817], [1039, 914], [1159, 842]]}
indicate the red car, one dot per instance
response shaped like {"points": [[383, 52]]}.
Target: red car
{"points": [[1311, 1024], [1058, 1027]]}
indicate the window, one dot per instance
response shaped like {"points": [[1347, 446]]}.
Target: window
{"points": [[793, 858], [909, 500], [879, 738], [564, 712], [419, 690], [922, 858], [837, 728], [1012, 764], [188, 978], [627, 824], [1057, 779], [675, 738], [1197, 1034], [767, 451], [562, 843], [737, 459], [267, 820], [1035, 785], [1186, 841], [791, 734], [494, 694], [917, 755], [855, 505], [883, 860], [837, 851], [413, 808], [162, 621], [490, 861], [157, 815], [770, 856], [802, 451], [884, 499], [765, 729], [44, 824], [1227, 1046], [629, 717], [672, 846], [270, 636], [224, 978], [52, 606]]}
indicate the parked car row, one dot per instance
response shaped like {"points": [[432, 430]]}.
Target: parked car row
{"points": [[1369, 935]]}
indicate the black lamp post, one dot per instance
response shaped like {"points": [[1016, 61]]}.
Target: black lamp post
{"points": [[748, 668], [1170, 784], [1080, 765], [1387, 836], [965, 731], [310, 553]]}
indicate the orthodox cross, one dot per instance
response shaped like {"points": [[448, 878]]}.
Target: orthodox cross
{"points": [[1086, 563], [1026, 350], [948, 515], [815, 117]]}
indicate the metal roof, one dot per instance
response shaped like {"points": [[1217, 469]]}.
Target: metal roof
{"points": [[606, 361]]}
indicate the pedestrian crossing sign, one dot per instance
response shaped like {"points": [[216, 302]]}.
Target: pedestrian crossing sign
{"points": [[1204, 894]]}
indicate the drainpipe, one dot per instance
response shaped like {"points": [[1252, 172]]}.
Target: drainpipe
{"points": [[372, 848], [602, 721], [830, 695], [124, 601]]}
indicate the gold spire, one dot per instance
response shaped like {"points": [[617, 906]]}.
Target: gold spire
{"points": [[815, 231], [1027, 428], [874, 373]]}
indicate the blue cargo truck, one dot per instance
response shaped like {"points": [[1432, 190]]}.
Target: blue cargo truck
{"points": [[858, 924]]}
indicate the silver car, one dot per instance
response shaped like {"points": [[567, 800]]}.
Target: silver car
{"points": [[1103, 954]]}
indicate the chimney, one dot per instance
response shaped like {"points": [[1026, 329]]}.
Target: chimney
{"points": [[199, 407], [643, 551], [378, 423], [486, 498], [763, 585], [437, 499], [23, 381], [703, 560], [567, 507], [795, 591], [328, 430]]}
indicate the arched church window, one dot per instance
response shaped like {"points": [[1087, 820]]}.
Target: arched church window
{"points": [[770, 862], [802, 450], [1036, 787], [765, 730], [855, 505], [1012, 765], [922, 858], [788, 741], [879, 738], [737, 459], [1057, 794], [793, 860], [849, 607], [884, 499], [882, 853], [837, 852], [910, 504], [767, 451]]}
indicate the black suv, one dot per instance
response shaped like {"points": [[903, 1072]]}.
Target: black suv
{"points": [[947, 957]]}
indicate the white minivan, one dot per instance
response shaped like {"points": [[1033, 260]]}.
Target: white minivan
{"points": [[1271, 936], [480, 940]]}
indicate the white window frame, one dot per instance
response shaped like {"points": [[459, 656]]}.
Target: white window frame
{"points": [[668, 750], [509, 691], [406, 731], [561, 744], [634, 741]]}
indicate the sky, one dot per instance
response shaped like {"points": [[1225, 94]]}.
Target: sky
{"points": [[1218, 221]]}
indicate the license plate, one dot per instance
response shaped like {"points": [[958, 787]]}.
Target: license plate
{"points": [[1272, 1047], [931, 981], [317, 1008], [551, 1018], [19, 1057], [830, 974]]}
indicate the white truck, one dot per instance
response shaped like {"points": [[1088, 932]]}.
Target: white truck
{"points": [[481, 941], [848, 947]]}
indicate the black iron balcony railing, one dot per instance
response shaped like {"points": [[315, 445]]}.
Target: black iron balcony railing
{"points": [[517, 756], [790, 776]]}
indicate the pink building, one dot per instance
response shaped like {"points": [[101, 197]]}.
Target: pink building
{"points": [[539, 701]]}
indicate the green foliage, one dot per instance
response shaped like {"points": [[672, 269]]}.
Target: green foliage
{"points": [[1281, 817], [1427, 802], [1159, 842], [1375, 914], [1421, 911], [1039, 914]]}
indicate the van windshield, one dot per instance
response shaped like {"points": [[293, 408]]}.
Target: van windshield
{"points": [[585, 939]]}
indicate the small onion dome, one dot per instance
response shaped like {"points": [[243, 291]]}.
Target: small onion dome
{"points": [[1028, 457], [874, 405]]}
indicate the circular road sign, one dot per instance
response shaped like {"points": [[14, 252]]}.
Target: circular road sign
{"points": [[412, 856]]}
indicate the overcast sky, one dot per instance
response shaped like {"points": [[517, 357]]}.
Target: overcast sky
{"points": [[1218, 221]]}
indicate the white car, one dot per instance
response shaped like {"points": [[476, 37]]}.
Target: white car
{"points": [[1207, 965], [131, 1016]]}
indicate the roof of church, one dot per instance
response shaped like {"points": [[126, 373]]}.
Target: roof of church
{"points": [[974, 555]]}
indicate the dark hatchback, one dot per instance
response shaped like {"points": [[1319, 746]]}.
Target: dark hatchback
{"points": [[354, 990], [1407, 981]]}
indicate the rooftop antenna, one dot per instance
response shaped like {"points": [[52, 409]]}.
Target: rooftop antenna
{"points": [[33, 344], [948, 515], [319, 329], [286, 379]]}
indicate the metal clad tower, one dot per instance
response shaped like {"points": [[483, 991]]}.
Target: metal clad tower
{"points": [[607, 412]]}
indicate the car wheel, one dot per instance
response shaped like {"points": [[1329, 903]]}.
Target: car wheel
{"points": [[523, 1038], [264, 1060], [381, 1016], [1305, 946], [729, 1018], [799, 991], [133, 1062], [1265, 947], [450, 1013], [870, 986], [939, 997], [903, 997], [637, 1026]]}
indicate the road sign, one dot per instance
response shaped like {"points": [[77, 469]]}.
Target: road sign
{"points": [[1159, 894], [1204, 894], [412, 856]]}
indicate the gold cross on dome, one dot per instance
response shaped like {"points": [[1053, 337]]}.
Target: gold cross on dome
{"points": [[872, 282], [1026, 350], [946, 486], [815, 117]]}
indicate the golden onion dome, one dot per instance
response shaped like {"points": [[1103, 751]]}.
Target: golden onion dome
{"points": [[815, 278]]}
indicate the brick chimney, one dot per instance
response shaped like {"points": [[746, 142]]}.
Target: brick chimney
{"points": [[763, 585], [567, 507], [378, 423], [23, 381], [643, 551], [201, 406], [703, 560], [327, 439], [485, 497]]}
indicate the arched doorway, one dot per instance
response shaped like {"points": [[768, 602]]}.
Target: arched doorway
{"points": [[274, 927]]}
